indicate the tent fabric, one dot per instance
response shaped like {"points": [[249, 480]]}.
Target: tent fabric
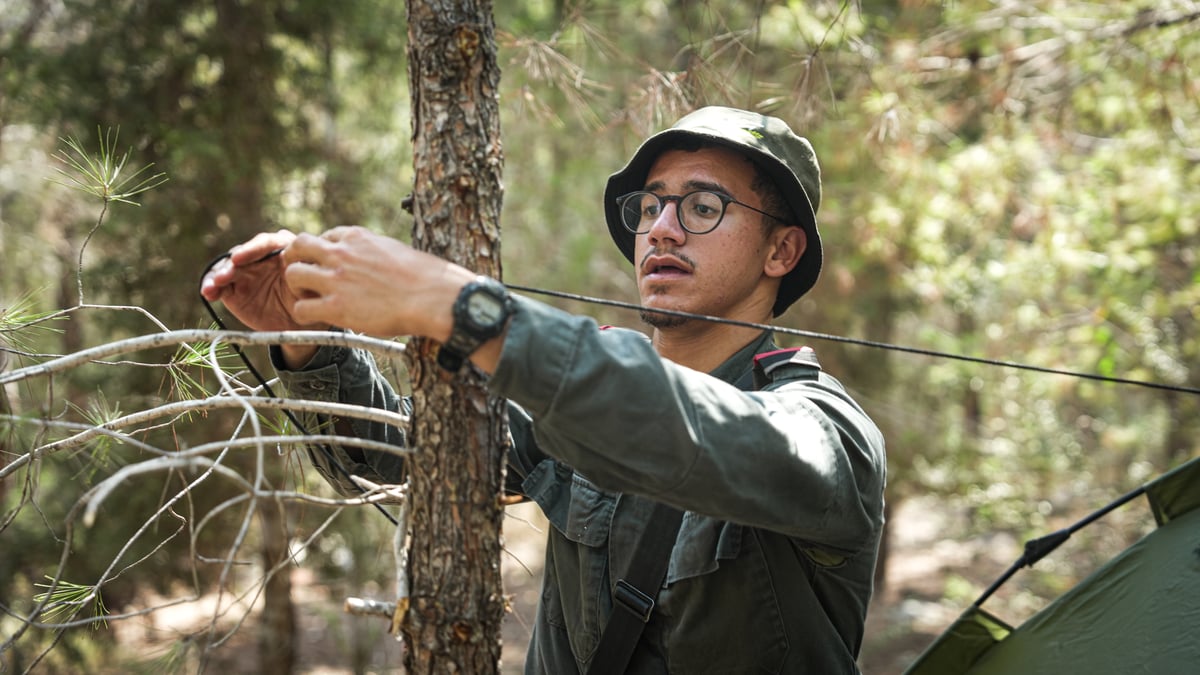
{"points": [[963, 643], [1175, 493], [1139, 613]]}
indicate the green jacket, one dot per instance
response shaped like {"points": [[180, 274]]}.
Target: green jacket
{"points": [[782, 490]]}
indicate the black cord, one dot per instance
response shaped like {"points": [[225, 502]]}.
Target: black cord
{"points": [[689, 315], [1036, 549], [325, 450], [860, 342]]}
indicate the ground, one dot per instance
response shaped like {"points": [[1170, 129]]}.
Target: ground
{"points": [[927, 556]]}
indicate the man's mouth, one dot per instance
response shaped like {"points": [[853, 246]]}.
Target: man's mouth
{"points": [[664, 266], [665, 271]]}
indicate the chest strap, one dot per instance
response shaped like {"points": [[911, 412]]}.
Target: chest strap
{"points": [[633, 597], [632, 605]]}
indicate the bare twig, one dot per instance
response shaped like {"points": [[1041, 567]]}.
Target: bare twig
{"points": [[171, 338]]}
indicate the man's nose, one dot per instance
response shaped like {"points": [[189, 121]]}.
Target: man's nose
{"points": [[666, 226]]}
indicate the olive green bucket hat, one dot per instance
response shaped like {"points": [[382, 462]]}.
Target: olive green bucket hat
{"points": [[786, 158]]}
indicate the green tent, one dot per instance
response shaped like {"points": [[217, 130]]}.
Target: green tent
{"points": [[1139, 613]]}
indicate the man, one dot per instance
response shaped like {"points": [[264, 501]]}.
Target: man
{"points": [[780, 477]]}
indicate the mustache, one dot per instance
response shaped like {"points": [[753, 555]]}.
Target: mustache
{"points": [[671, 251]]}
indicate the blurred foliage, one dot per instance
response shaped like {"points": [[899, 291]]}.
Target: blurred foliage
{"points": [[1006, 180]]}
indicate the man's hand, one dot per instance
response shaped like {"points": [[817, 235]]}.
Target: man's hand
{"points": [[250, 282], [372, 284], [348, 277]]}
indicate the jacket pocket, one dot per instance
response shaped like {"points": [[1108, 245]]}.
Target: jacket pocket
{"points": [[725, 616], [575, 589], [703, 544]]}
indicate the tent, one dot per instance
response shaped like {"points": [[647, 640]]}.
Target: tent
{"points": [[1138, 613]]}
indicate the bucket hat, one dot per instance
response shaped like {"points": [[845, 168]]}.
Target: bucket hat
{"points": [[786, 158]]}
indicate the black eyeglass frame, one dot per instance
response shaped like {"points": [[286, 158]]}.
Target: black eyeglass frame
{"points": [[725, 200]]}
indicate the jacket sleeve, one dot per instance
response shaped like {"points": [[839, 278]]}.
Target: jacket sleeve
{"points": [[800, 458], [352, 376], [349, 376]]}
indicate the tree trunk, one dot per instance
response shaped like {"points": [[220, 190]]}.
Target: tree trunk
{"points": [[459, 432], [277, 635]]}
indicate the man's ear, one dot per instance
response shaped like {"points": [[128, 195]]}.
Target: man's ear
{"points": [[787, 245]]}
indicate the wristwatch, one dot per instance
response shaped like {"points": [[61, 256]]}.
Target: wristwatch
{"points": [[480, 312]]}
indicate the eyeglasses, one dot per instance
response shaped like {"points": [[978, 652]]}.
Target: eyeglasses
{"points": [[698, 212]]}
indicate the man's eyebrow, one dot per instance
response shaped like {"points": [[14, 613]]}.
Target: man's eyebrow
{"points": [[689, 186], [704, 185]]}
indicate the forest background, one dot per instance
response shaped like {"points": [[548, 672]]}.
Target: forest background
{"points": [[1008, 179]]}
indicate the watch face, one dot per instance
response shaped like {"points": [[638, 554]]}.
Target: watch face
{"points": [[485, 309]]}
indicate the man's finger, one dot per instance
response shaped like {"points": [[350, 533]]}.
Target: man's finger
{"points": [[305, 278], [305, 248], [210, 290], [214, 283], [313, 310], [258, 246], [339, 233]]}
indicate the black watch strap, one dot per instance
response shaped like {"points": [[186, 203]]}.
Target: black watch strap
{"points": [[450, 360], [481, 311]]}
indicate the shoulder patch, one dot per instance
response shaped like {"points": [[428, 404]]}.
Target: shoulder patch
{"points": [[768, 366]]}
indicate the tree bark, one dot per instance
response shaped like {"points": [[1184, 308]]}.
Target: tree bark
{"points": [[459, 432], [277, 635]]}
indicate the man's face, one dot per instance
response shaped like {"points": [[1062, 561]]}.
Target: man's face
{"points": [[719, 273]]}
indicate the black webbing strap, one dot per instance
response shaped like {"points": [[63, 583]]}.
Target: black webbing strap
{"points": [[633, 599]]}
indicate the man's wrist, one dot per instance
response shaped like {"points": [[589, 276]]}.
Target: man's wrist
{"points": [[480, 314], [295, 357]]}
